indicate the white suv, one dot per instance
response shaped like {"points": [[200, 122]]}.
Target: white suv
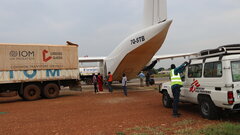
{"points": [[212, 80]]}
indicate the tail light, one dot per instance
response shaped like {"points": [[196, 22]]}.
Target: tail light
{"points": [[230, 97]]}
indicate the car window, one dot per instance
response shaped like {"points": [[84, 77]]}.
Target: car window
{"points": [[235, 66], [195, 71], [213, 69]]}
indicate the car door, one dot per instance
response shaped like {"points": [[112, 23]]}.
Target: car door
{"points": [[192, 82]]}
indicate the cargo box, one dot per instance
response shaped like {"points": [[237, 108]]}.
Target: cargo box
{"points": [[37, 57]]}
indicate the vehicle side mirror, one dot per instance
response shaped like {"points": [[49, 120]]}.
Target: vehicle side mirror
{"points": [[183, 78]]}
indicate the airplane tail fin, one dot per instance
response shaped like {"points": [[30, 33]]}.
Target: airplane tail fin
{"points": [[155, 11]]}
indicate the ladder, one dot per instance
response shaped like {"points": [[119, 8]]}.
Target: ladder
{"points": [[220, 51]]}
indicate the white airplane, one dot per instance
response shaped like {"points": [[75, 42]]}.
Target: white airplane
{"points": [[138, 49]]}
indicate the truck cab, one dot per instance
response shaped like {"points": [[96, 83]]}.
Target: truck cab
{"points": [[211, 80]]}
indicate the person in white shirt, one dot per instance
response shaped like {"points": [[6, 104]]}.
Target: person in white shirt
{"points": [[124, 84]]}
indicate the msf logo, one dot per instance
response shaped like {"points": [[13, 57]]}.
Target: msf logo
{"points": [[194, 85], [45, 58]]}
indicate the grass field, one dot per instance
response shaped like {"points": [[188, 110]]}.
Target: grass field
{"points": [[183, 128]]}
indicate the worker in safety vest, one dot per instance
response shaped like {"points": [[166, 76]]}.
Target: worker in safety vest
{"points": [[109, 80], [176, 84]]}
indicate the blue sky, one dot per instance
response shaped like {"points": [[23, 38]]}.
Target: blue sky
{"points": [[99, 26]]}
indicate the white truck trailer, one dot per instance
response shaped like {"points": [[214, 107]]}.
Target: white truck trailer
{"points": [[33, 70]]}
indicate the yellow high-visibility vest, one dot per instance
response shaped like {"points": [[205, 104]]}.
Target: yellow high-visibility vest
{"points": [[175, 79]]}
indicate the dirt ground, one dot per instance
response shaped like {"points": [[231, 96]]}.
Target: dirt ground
{"points": [[87, 113]]}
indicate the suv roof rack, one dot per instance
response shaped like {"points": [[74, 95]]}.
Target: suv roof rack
{"points": [[220, 51]]}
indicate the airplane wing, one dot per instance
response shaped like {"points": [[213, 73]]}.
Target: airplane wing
{"points": [[157, 58], [172, 56], [91, 59]]}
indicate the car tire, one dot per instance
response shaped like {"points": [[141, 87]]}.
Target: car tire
{"points": [[89, 81], [208, 109], [51, 90], [166, 100], [31, 92]]}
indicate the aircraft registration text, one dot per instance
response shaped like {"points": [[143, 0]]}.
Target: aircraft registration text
{"points": [[137, 40]]}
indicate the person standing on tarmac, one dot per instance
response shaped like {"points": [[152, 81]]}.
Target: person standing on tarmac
{"points": [[100, 82], [141, 76], [95, 83], [147, 79], [109, 80], [124, 83], [176, 84]]}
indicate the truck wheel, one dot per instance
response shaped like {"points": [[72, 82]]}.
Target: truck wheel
{"points": [[31, 92], [166, 100], [89, 81], [208, 109], [50, 90]]}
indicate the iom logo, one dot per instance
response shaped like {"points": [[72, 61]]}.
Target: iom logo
{"points": [[45, 58], [21, 54]]}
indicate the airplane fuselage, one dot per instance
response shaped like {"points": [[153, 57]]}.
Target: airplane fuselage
{"points": [[136, 51]]}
